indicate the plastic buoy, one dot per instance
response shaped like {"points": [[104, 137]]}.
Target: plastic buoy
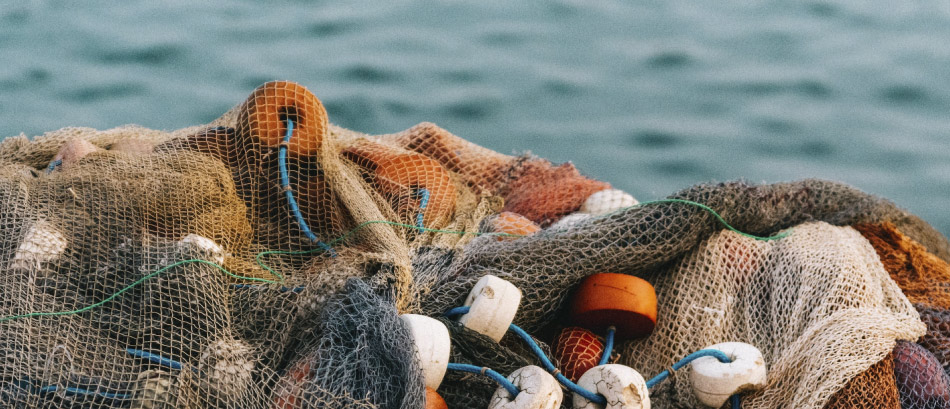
{"points": [[263, 118], [434, 400], [413, 183], [620, 300], [290, 389], [606, 201], [577, 350], [623, 387], [570, 221], [207, 245], [512, 223], [714, 382], [432, 346], [43, 243], [538, 390], [494, 303], [70, 153]]}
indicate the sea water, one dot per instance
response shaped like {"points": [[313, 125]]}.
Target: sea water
{"points": [[652, 96]]}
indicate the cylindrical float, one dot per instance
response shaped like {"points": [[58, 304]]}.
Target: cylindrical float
{"points": [[714, 382], [538, 390], [432, 345], [622, 386], [493, 304], [623, 301]]}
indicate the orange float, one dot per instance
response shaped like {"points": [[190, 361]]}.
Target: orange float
{"points": [[544, 193], [623, 301], [263, 118], [481, 168], [400, 176], [576, 350], [513, 223], [434, 400], [289, 392]]}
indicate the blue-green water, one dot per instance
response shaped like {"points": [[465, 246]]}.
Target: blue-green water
{"points": [[652, 96]]}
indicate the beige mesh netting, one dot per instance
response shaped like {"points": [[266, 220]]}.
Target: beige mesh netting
{"points": [[263, 260]]}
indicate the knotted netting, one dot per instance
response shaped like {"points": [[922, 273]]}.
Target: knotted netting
{"points": [[263, 261]]}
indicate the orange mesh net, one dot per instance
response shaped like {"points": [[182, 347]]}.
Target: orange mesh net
{"points": [[921, 275], [873, 388], [576, 350]]}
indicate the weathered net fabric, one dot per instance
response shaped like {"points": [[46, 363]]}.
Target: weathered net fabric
{"points": [[873, 388], [817, 303], [186, 280]]}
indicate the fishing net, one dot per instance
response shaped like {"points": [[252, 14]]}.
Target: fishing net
{"points": [[263, 260]]}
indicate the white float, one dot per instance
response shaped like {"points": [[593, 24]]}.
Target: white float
{"points": [[432, 346], [539, 390], [606, 201], [494, 303], [714, 382], [43, 243], [206, 244], [568, 222], [623, 387]]}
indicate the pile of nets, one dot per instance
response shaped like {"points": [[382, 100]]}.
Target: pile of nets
{"points": [[263, 261]]}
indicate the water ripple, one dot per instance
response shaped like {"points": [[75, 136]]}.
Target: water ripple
{"points": [[103, 92], [152, 55]]}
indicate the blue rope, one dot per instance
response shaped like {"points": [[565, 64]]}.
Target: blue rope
{"points": [[571, 386], [721, 356], [608, 345], [548, 366], [457, 311], [736, 401], [158, 359], [53, 165], [423, 202], [285, 184], [497, 377]]}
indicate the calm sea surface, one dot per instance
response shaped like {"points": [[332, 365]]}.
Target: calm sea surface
{"points": [[653, 96]]}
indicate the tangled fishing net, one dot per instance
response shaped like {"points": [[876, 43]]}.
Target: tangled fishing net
{"points": [[264, 260]]}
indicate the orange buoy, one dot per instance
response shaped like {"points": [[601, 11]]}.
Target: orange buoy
{"points": [[434, 400], [513, 223], [623, 301], [545, 193], [576, 350], [400, 176], [479, 167], [290, 389], [263, 118]]}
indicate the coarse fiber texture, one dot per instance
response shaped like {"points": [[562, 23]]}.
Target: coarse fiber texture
{"points": [[190, 269]]}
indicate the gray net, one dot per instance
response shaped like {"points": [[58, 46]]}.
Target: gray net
{"points": [[240, 264]]}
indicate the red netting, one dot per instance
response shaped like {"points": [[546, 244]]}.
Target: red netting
{"points": [[576, 350]]}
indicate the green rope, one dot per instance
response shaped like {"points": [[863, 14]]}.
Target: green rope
{"points": [[280, 278], [710, 210], [129, 287]]}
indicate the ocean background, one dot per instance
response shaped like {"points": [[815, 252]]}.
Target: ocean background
{"points": [[652, 96]]}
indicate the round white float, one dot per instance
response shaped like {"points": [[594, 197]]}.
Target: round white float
{"points": [[42, 243], [432, 346], [606, 201], [539, 390], [206, 244], [570, 221], [494, 303], [714, 382], [623, 387]]}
